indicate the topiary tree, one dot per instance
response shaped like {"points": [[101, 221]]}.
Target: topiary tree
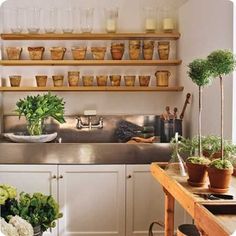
{"points": [[221, 62], [200, 74]]}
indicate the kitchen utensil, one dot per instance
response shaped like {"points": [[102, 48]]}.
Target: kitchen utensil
{"points": [[175, 112], [212, 196], [187, 101]]}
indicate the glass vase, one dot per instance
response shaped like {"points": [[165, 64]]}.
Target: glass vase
{"points": [[35, 127]]}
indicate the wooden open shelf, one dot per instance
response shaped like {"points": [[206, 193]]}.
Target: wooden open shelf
{"points": [[94, 89], [90, 62], [92, 36]]}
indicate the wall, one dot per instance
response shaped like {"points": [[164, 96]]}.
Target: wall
{"points": [[206, 26]]}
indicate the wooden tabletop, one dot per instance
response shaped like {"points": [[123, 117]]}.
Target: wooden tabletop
{"points": [[214, 217]]}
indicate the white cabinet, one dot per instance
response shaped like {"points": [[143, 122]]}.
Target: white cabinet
{"points": [[31, 179], [92, 199], [145, 202], [109, 200]]}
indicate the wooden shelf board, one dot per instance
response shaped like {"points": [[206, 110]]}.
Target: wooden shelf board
{"points": [[94, 89], [92, 36], [90, 62]]}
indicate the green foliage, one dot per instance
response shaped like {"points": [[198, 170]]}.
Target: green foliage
{"points": [[199, 72], [38, 108], [198, 160], [221, 62], [6, 192], [37, 209], [221, 164]]}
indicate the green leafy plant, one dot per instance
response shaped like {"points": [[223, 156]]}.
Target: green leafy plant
{"points": [[200, 74], [221, 62], [222, 164], [38, 209], [198, 160], [38, 108]]}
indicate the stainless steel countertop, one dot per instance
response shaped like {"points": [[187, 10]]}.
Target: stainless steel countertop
{"points": [[83, 153]]}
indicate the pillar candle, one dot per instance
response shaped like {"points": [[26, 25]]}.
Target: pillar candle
{"points": [[150, 24], [168, 24], [111, 25]]}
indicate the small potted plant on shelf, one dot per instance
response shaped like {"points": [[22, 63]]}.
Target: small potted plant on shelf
{"points": [[221, 62], [200, 74], [37, 109]]}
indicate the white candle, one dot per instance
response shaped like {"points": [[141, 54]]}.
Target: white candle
{"points": [[111, 25], [150, 24], [168, 24]]}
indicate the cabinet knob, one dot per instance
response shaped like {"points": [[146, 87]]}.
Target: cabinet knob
{"points": [[129, 176], [54, 177], [60, 177]]}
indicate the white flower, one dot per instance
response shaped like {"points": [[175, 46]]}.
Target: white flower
{"points": [[7, 229], [22, 226]]}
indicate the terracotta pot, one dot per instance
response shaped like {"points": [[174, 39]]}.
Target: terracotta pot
{"points": [[115, 80], [134, 49], [58, 80], [144, 80], [197, 174], [219, 179], [41, 80], [162, 78], [79, 53], [73, 78], [234, 173], [102, 80], [57, 53], [15, 80], [13, 53], [117, 51], [148, 49], [36, 53], [163, 50], [87, 80], [129, 80], [98, 52]]}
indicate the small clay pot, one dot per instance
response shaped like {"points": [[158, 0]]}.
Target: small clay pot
{"points": [[13, 53], [117, 51], [57, 53], [15, 80], [197, 174], [101, 80], [41, 80], [73, 78], [129, 80], [79, 53], [144, 80], [58, 80], [148, 49], [134, 49], [36, 53], [98, 52], [163, 50], [219, 179], [87, 80], [162, 78], [115, 80]]}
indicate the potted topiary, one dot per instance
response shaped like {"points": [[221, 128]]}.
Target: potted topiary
{"points": [[200, 74], [221, 62], [37, 109]]}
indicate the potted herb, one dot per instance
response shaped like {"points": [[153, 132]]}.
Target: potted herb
{"points": [[40, 210], [200, 74], [38, 108], [221, 62]]}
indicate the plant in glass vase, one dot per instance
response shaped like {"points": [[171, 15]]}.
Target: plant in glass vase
{"points": [[221, 63], [200, 74], [38, 108]]}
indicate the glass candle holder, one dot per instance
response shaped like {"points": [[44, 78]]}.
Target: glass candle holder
{"points": [[150, 19], [50, 20], [111, 15], [33, 20], [168, 21], [68, 19], [86, 20], [15, 19]]}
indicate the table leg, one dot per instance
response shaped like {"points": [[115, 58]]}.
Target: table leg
{"points": [[169, 213]]}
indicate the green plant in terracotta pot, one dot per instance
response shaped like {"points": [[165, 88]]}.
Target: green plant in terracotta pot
{"points": [[37, 109], [221, 63], [200, 74]]}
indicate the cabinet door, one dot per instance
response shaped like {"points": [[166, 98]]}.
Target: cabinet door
{"points": [[145, 202], [31, 179], [92, 198]]}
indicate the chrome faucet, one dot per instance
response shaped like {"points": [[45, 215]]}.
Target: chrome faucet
{"points": [[89, 124]]}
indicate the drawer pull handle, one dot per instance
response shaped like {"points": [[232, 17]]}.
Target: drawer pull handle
{"points": [[129, 176], [54, 177], [60, 177]]}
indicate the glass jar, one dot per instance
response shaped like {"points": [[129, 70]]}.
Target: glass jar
{"points": [[86, 20], [33, 20], [111, 15], [168, 20], [150, 19], [68, 19], [50, 20]]}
